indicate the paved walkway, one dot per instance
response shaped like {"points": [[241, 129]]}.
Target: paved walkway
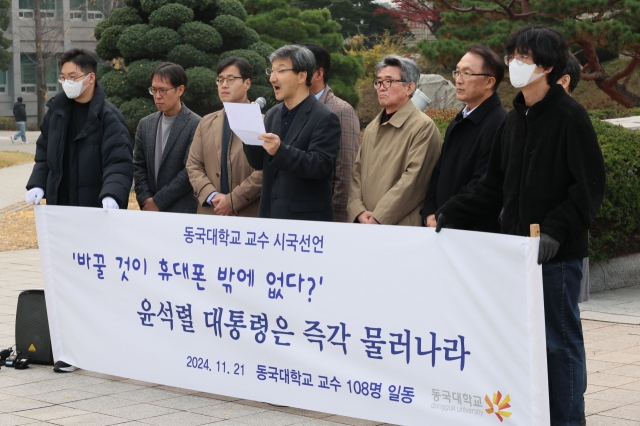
{"points": [[7, 145], [38, 396], [13, 181]]}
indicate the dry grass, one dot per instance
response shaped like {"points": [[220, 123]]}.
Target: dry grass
{"points": [[19, 228], [14, 158]]}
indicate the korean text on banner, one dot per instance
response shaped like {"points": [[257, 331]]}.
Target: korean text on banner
{"points": [[393, 324]]}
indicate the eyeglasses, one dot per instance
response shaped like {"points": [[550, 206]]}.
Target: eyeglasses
{"points": [[153, 91], [71, 80], [385, 83], [271, 72], [230, 80], [520, 59], [466, 75]]}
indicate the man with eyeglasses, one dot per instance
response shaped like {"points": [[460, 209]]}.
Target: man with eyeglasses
{"points": [[83, 153], [162, 145], [301, 143], [398, 152], [546, 168], [467, 142], [222, 179]]}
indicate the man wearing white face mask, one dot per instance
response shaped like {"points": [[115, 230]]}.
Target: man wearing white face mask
{"points": [[84, 153], [545, 167]]}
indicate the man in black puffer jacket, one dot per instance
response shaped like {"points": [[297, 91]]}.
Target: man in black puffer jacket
{"points": [[84, 152], [545, 168]]}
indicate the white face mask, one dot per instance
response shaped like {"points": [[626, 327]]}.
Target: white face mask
{"points": [[74, 89], [522, 75]]}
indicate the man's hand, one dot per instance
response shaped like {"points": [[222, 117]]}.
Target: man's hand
{"points": [[548, 249], [271, 143], [442, 223], [150, 205], [366, 217], [109, 203], [34, 196], [431, 221], [221, 206]]}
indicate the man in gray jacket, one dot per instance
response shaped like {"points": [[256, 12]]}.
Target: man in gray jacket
{"points": [[163, 140]]}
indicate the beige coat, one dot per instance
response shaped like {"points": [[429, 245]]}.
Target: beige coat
{"points": [[392, 171], [203, 166]]}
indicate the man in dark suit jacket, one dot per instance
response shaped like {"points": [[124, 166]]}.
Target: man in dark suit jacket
{"points": [[162, 146], [467, 142], [300, 146]]}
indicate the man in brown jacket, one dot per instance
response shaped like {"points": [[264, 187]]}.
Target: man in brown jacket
{"points": [[398, 152], [222, 179], [350, 129]]}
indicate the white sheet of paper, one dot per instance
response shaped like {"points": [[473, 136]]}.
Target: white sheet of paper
{"points": [[245, 121]]}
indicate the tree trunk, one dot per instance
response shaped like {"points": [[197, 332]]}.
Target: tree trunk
{"points": [[41, 66], [607, 84]]}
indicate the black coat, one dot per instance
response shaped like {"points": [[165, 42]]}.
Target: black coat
{"points": [[172, 192], [464, 159], [545, 168], [100, 156], [19, 112], [297, 181]]}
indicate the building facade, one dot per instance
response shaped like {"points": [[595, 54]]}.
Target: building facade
{"points": [[66, 24]]}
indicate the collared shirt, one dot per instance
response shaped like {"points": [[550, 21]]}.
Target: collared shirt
{"points": [[466, 112], [320, 92], [287, 116]]}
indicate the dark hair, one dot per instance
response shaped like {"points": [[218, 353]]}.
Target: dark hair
{"points": [[84, 59], [301, 59], [172, 72], [244, 66], [547, 46], [19, 98], [491, 62], [573, 70], [323, 58]]}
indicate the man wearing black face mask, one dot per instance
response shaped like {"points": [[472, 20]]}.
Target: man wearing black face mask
{"points": [[84, 152], [545, 167]]}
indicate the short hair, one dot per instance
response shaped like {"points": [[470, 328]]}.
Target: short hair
{"points": [[547, 46], [573, 70], [84, 59], [172, 72], [19, 98], [491, 62], [301, 59], [410, 73], [323, 58], [245, 68]]}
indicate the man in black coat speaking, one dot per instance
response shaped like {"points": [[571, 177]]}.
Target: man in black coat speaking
{"points": [[467, 142], [300, 146], [84, 153]]}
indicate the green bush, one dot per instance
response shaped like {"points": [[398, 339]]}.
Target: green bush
{"points": [[201, 36], [188, 56], [618, 220], [131, 43], [138, 76], [135, 110], [202, 89], [231, 7], [126, 16], [115, 84], [171, 16], [606, 114], [9, 123], [228, 26], [262, 48], [162, 40], [109, 41]]}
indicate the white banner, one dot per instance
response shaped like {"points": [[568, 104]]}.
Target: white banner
{"points": [[387, 323]]}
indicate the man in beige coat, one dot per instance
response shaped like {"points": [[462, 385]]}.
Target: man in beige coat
{"points": [[399, 150], [222, 179]]}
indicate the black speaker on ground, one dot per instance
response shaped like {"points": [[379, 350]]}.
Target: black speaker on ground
{"points": [[32, 327]]}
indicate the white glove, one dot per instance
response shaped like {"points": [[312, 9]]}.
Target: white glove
{"points": [[109, 203], [34, 196]]}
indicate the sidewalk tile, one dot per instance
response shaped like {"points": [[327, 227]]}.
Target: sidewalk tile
{"points": [[600, 420], [51, 413], [181, 418], [228, 410], [271, 418], [628, 412], [187, 402], [93, 419], [139, 411]]}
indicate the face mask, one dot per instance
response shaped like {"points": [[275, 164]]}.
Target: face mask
{"points": [[522, 75], [73, 90]]}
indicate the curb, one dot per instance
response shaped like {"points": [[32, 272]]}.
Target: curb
{"points": [[618, 273]]}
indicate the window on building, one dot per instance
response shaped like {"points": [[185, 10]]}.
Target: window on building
{"points": [[92, 9], [47, 9], [3, 81], [28, 76]]}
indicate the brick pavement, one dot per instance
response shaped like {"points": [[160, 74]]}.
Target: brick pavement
{"points": [[38, 396]]}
